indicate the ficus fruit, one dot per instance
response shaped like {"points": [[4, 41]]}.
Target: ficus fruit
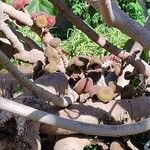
{"points": [[51, 21], [51, 67], [105, 94], [41, 21], [83, 85], [128, 92], [19, 4]]}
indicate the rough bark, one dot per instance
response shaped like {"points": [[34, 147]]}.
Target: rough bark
{"points": [[87, 128], [18, 15], [30, 140], [7, 84], [49, 42], [137, 46], [28, 56], [61, 101]]}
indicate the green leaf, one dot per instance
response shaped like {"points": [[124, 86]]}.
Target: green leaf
{"points": [[1, 67], [9, 2], [43, 6]]}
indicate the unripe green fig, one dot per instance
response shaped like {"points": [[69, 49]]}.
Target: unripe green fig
{"points": [[41, 21], [51, 67], [105, 94]]}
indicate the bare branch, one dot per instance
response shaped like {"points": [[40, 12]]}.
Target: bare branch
{"points": [[24, 55], [137, 46], [18, 15], [80, 127], [142, 3], [56, 99]]}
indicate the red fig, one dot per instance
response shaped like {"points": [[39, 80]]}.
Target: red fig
{"points": [[19, 4], [51, 20]]}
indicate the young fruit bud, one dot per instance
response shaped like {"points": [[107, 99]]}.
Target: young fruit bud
{"points": [[19, 4], [51, 20], [105, 94], [51, 55], [55, 42], [41, 21], [55, 57]]}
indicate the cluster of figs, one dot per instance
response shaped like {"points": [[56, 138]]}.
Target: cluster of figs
{"points": [[91, 76]]}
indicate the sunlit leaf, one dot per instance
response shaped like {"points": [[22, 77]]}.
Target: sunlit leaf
{"points": [[43, 6]]}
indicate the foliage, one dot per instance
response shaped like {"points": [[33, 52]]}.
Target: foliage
{"points": [[15, 61], [39, 5], [17, 88], [26, 31], [9, 1], [133, 9], [86, 12], [79, 44], [43, 6], [92, 147]]}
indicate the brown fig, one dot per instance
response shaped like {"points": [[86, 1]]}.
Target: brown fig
{"points": [[128, 92], [83, 85], [94, 75], [129, 75], [38, 69], [74, 78], [79, 61]]}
